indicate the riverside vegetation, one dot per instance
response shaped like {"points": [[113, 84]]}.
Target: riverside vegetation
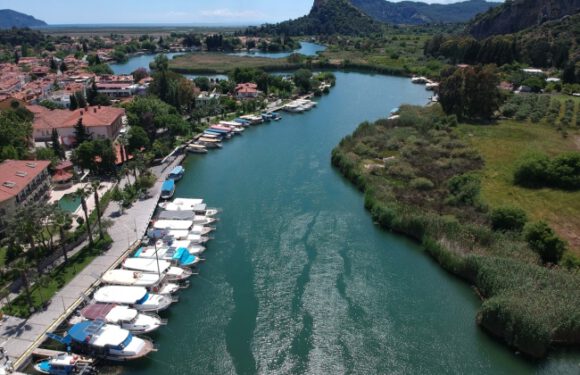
{"points": [[422, 176]]}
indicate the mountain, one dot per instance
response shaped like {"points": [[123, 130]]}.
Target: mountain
{"points": [[10, 18], [516, 15], [328, 17], [416, 13]]}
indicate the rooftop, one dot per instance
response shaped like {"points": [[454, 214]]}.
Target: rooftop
{"points": [[15, 175]]}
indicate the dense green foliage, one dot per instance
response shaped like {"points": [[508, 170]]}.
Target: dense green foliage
{"points": [[327, 17], [98, 156], [416, 13], [538, 170], [408, 169], [15, 133], [470, 92]]}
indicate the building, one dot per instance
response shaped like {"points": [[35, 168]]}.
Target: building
{"points": [[247, 91], [22, 182], [101, 123], [206, 99]]}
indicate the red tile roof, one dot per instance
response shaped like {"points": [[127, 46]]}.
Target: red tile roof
{"points": [[61, 118], [15, 175]]}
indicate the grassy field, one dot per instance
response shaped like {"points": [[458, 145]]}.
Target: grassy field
{"points": [[220, 63], [502, 145]]}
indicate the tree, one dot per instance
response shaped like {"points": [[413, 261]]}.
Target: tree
{"points": [[82, 194], [56, 146], [15, 134], [53, 65], [62, 221], [81, 133], [137, 139], [95, 189], [508, 218], [63, 67], [161, 63], [139, 74], [303, 80], [73, 102], [202, 83], [23, 267], [543, 240], [464, 189], [118, 197]]}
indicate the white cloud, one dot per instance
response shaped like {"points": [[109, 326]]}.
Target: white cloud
{"points": [[232, 14]]}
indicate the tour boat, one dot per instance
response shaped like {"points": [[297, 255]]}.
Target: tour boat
{"points": [[188, 215], [254, 120], [215, 134], [242, 122], [152, 281], [195, 148], [65, 364], [168, 189], [106, 341], [210, 142], [419, 80], [153, 265], [190, 246], [173, 224], [134, 296], [177, 173], [126, 317], [186, 203], [178, 256]]}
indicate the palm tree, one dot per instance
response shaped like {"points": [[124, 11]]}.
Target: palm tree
{"points": [[23, 267], [95, 188], [117, 196], [61, 220], [82, 194]]}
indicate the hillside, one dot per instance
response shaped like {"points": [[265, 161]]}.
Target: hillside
{"points": [[416, 13], [327, 17], [10, 18], [517, 15]]}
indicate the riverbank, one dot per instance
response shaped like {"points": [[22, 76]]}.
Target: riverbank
{"points": [[404, 167]]}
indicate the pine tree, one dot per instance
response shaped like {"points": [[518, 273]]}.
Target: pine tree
{"points": [[81, 133], [81, 101], [63, 67], [92, 93], [56, 146], [53, 65]]}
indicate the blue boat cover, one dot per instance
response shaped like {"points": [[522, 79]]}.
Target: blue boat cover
{"points": [[138, 253], [80, 331], [168, 185]]}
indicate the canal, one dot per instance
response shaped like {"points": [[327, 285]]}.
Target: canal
{"points": [[298, 280]]}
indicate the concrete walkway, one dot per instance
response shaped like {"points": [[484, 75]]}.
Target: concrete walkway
{"points": [[19, 337]]}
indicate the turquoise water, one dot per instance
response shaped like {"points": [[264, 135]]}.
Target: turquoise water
{"points": [[142, 61], [298, 280], [306, 49], [69, 203]]}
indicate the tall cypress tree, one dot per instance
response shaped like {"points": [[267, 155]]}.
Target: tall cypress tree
{"points": [[81, 133], [56, 146], [73, 102]]}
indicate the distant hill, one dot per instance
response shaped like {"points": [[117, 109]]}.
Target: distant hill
{"points": [[516, 15], [416, 13], [10, 18], [328, 17]]}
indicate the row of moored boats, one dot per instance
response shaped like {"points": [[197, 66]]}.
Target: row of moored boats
{"points": [[128, 302], [214, 136]]}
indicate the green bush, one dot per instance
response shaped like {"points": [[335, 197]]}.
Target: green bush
{"points": [[543, 240], [421, 183], [508, 219], [464, 189], [537, 170]]}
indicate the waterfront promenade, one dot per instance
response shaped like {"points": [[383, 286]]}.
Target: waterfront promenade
{"points": [[19, 336]]}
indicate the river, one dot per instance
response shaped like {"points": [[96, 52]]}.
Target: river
{"points": [[142, 61], [298, 280]]}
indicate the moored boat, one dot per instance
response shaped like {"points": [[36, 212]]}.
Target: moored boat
{"points": [[195, 148], [126, 317], [134, 296], [167, 189], [178, 256], [154, 282], [172, 273], [106, 341], [65, 364], [176, 173]]}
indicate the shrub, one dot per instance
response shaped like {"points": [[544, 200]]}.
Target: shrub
{"points": [[464, 189], [537, 170], [422, 183], [508, 218], [531, 170], [543, 240]]}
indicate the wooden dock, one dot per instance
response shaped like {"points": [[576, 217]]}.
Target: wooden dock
{"points": [[45, 353]]}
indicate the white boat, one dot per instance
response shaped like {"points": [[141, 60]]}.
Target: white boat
{"points": [[184, 203], [186, 235], [178, 256], [195, 148], [173, 224], [65, 364], [176, 173], [192, 248], [152, 265], [126, 317], [153, 281], [203, 220], [106, 341], [168, 189], [135, 296]]}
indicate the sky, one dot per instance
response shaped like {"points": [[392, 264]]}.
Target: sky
{"points": [[245, 12]]}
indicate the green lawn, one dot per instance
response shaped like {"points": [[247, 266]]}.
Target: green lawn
{"points": [[502, 145]]}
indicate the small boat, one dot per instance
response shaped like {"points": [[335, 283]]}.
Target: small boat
{"points": [[65, 364], [173, 224], [419, 80], [276, 116], [178, 256], [210, 142], [177, 173], [106, 341], [152, 281], [191, 247], [168, 189], [153, 265], [242, 122], [214, 133], [254, 120], [186, 203], [134, 296], [126, 317], [195, 148]]}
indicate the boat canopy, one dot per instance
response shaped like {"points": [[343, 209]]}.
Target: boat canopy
{"points": [[168, 185], [177, 215], [100, 335], [127, 277], [177, 170], [147, 265], [109, 312], [120, 294], [173, 224]]}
